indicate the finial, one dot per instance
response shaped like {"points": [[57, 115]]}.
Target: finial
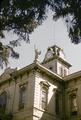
{"points": [[37, 53]]}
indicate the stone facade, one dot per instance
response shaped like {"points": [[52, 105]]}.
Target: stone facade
{"points": [[41, 91]]}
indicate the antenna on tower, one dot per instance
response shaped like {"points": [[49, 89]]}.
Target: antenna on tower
{"points": [[34, 47], [54, 33]]}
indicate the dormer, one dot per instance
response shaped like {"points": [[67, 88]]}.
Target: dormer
{"points": [[55, 60]]}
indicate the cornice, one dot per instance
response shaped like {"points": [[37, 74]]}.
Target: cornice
{"points": [[49, 72], [34, 66], [72, 76], [58, 58]]}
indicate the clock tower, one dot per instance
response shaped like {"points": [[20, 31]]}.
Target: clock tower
{"points": [[55, 60]]}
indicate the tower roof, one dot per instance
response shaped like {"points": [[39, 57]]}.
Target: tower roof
{"points": [[55, 52]]}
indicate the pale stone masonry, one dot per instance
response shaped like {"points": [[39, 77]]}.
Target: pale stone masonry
{"points": [[41, 91]]}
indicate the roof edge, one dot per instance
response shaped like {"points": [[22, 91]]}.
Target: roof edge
{"points": [[72, 76]]}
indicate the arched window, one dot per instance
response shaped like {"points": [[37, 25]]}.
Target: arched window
{"points": [[3, 101]]}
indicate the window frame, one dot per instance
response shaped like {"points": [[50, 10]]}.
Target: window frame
{"points": [[72, 92], [44, 98], [61, 71], [73, 108], [65, 72], [4, 95], [44, 89], [22, 96]]}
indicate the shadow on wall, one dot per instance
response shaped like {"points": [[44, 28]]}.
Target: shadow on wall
{"points": [[53, 109]]}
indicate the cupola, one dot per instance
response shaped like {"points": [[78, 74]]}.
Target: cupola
{"points": [[55, 60]]}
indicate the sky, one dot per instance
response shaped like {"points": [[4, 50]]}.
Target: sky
{"points": [[44, 36]]}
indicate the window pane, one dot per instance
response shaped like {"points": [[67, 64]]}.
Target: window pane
{"points": [[65, 72], [44, 95], [74, 105], [3, 101], [44, 98], [61, 71], [22, 97], [43, 105]]}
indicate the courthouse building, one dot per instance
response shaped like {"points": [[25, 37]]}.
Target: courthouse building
{"points": [[41, 91]]}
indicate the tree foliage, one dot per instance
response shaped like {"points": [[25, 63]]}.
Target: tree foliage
{"points": [[5, 52], [71, 10], [23, 16]]}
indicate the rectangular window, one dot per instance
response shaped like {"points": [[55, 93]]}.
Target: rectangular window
{"points": [[22, 96], [61, 71], [73, 105], [44, 98], [3, 102], [65, 72]]}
